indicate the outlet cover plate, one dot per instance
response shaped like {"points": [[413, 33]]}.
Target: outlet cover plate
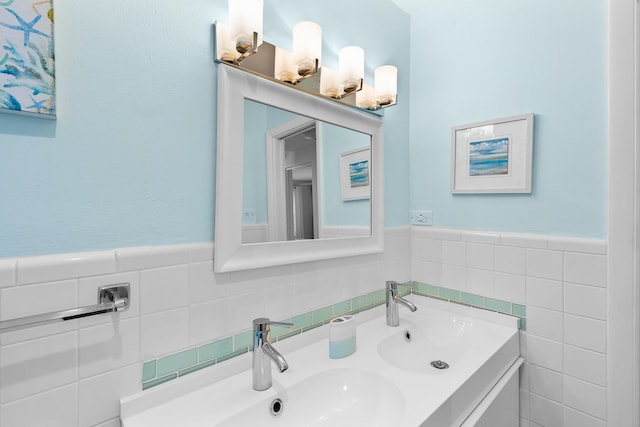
{"points": [[421, 217]]}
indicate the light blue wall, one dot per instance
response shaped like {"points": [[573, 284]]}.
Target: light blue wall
{"points": [[472, 61], [130, 160]]}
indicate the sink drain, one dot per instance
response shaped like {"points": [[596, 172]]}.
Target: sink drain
{"points": [[407, 336], [439, 364], [277, 406]]}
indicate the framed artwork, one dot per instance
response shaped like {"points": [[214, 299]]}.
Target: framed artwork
{"points": [[355, 181], [493, 156], [27, 72]]}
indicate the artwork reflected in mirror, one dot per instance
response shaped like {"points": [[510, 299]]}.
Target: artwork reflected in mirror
{"points": [[294, 178]]}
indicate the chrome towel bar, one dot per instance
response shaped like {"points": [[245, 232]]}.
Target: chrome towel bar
{"points": [[112, 298]]}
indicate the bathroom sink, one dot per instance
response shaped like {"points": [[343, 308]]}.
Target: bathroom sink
{"points": [[452, 339], [336, 397]]}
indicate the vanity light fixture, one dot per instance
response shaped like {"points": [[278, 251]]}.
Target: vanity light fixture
{"points": [[240, 44]]}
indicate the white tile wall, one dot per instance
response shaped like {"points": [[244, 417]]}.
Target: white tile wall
{"points": [[54, 408], [64, 266], [163, 289], [510, 287], [585, 397], [562, 281], [588, 269], [544, 323], [108, 346], [544, 352], [33, 366], [544, 293], [585, 332], [588, 301], [510, 259], [74, 373], [480, 256], [546, 412], [588, 365], [60, 295], [479, 282], [544, 263], [7, 272], [99, 395], [78, 370], [164, 333]]}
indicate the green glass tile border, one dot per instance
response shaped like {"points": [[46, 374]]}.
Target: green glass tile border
{"points": [[159, 381], [498, 305], [167, 368], [472, 300], [149, 371], [449, 294], [177, 362], [518, 310], [215, 350]]}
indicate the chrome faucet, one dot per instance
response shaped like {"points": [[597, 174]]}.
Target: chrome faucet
{"points": [[392, 301], [264, 353]]}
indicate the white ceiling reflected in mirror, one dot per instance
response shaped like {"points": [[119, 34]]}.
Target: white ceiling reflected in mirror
{"points": [[296, 170], [285, 161]]}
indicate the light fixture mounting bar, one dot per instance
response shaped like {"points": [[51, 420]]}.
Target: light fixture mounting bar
{"points": [[261, 61]]}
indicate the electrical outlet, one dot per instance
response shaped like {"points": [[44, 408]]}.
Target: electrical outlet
{"points": [[421, 217], [249, 216]]}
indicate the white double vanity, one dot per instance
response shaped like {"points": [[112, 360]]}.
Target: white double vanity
{"points": [[444, 365]]}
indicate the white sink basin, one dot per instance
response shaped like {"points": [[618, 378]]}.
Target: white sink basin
{"points": [[424, 338], [337, 397]]}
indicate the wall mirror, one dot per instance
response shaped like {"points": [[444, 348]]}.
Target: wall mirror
{"points": [[299, 178]]}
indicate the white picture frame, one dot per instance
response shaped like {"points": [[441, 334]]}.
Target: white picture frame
{"points": [[355, 178], [493, 156]]}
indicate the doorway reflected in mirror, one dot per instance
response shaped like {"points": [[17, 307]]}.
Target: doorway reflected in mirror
{"points": [[292, 178]]}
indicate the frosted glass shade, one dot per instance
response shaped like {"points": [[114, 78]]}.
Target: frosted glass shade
{"points": [[330, 84], [307, 46], [366, 98], [286, 69], [386, 84], [245, 18], [351, 67]]}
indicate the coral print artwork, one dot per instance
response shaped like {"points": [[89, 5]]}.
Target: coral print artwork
{"points": [[27, 78]]}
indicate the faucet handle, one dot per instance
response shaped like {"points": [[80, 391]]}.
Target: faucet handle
{"points": [[393, 285], [285, 324], [261, 322]]}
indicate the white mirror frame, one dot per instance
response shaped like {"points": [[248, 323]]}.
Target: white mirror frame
{"points": [[234, 86]]}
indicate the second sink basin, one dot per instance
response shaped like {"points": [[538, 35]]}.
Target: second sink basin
{"points": [[336, 397], [449, 338]]}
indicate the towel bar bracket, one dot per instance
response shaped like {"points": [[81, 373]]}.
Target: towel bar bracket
{"points": [[116, 294]]}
